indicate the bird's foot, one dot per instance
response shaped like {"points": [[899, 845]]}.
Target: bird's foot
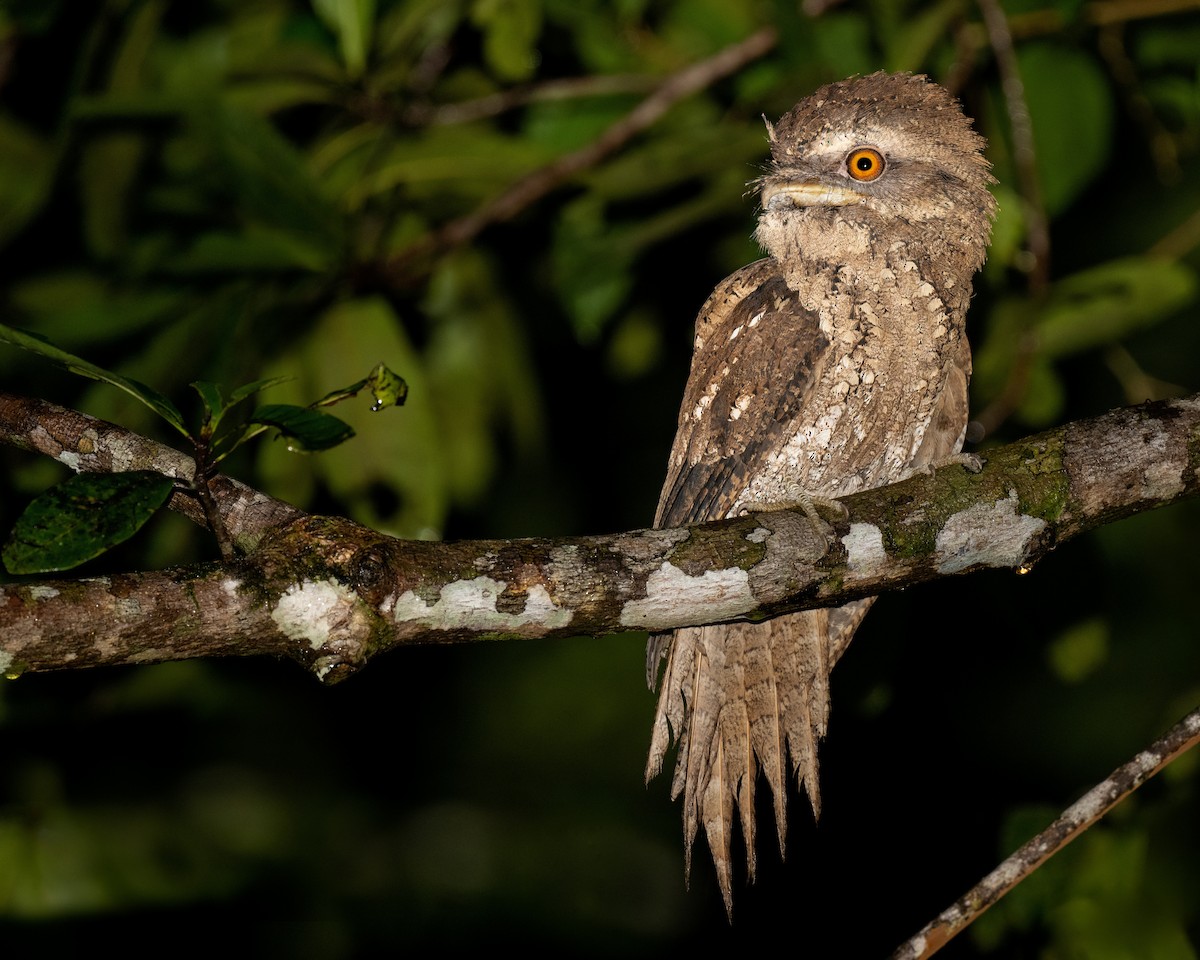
{"points": [[810, 504], [971, 462]]}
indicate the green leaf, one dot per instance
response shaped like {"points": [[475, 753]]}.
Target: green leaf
{"points": [[147, 395], [510, 33], [1071, 109], [1077, 652], [271, 179], [83, 517], [254, 249], [917, 35], [307, 430], [255, 386], [110, 161], [843, 42], [214, 402], [388, 389], [351, 22], [27, 165], [406, 460], [1045, 396], [75, 307], [1106, 303]]}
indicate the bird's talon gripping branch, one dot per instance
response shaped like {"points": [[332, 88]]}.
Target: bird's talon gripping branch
{"points": [[971, 462]]}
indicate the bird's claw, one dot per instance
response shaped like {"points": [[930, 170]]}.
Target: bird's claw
{"points": [[810, 504]]}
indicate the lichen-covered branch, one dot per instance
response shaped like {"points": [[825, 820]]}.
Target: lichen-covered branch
{"points": [[330, 593]]}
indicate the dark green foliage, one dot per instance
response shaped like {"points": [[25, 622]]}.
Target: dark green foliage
{"points": [[66, 526], [307, 430], [219, 192], [83, 517]]}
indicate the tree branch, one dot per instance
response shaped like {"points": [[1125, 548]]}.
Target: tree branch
{"points": [[1075, 819], [88, 445], [331, 594]]}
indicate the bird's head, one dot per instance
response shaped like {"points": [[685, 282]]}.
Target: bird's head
{"points": [[891, 153]]}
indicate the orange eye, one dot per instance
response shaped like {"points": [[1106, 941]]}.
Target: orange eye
{"points": [[865, 164]]}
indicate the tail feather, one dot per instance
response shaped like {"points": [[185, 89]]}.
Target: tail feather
{"points": [[739, 697], [765, 733]]}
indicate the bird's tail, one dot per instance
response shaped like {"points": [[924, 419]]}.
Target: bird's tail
{"points": [[739, 698]]}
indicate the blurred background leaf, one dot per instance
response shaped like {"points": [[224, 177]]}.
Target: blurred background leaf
{"points": [[224, 191]]}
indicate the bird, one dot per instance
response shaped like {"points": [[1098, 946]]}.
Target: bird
{"points": [[839, 362]]}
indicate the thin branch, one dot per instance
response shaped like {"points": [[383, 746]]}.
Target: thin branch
{"points": [[1074, 820], [1037, 226], [1102, 13], [1180, 241], [1024, 152], [1135, 382], [539, 183], [566, 88], [1110, 42]]}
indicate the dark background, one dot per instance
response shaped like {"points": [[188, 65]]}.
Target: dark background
{"points": [[216, 190]]}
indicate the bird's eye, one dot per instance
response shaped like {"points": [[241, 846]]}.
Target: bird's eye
{"points": [[865, 164]]}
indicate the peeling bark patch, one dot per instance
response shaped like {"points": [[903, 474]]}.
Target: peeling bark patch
{"points": [[313, 610], [990, 535], [864, 547], [471, 604], [712, 596]]}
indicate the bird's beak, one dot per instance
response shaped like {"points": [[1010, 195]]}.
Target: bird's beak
{"points": [[809, 193]]}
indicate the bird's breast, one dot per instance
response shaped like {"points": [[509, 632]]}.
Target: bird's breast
{"points": [[872, 395]]}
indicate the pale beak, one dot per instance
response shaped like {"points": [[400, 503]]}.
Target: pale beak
{"points": [[809, 193]]}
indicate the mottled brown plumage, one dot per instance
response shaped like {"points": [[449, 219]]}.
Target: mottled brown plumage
{"points": [[836, 364]]}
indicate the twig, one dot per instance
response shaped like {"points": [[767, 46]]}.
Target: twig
{"points": [[1181, 241], [1103, 13], [542, 181], [1110, 42], [494, 104], [1024, 154], [1036, 225], [1136, 383], [1075, 819]]}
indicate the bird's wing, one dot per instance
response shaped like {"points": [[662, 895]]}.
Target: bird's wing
{"points": [[738, 697], [756, 351]]}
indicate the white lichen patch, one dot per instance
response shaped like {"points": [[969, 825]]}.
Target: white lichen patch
{"points": [[990, 535], [39, 591], [123, 458], [6, 660], [758, 535], [471, 605], [230, 587], [1163, 479], [864, 547], [127, 608], [313, 610], [714, 595]]}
